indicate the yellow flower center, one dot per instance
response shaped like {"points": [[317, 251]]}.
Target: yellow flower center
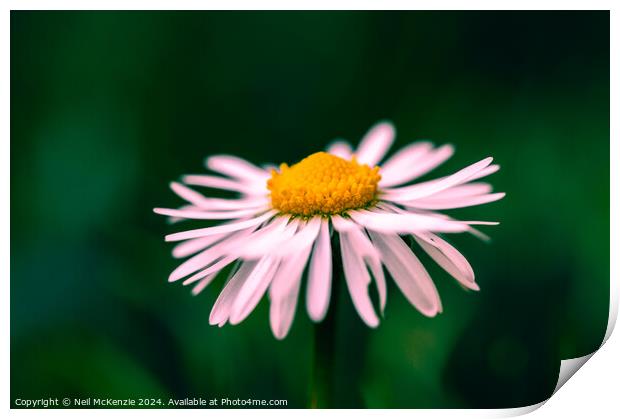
{"points": [[323, 184]]}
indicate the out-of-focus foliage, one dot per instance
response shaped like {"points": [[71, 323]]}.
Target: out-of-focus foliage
{"points": [[107, 108]]}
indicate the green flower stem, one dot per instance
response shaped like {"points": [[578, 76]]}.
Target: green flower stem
{"points": [[321, 394]]}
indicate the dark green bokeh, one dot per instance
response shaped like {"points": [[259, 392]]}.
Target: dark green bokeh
{"points": [[107, 108]]}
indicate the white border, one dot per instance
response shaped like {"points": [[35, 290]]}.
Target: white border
{"points": [[310, 5], [595, 392]]}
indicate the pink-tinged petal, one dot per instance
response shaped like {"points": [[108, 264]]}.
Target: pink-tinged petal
{"points": [[365, 253], [424, 189], [212, 269], [282, 312], [469, 229], [250, 188], [375, 144], [461, 191], [189, 247], [481, 223], [385, 206], [188, 194], [405, 222], [203, 284], [302, 240], [270, 167], [284, 291], [224, 228], [451, 203], [253, 289], [220, 204], [364, 250], [292, 267], [208, 215], [397, 168], [485, 172], [223, 305], [448, 258], [275, 225], [341, 224], [341, 149], [237, 168], [266, 240], [174, 220], [235, 249], [479, 234], [392, 208], [357, 279], [402, 159], [416, 163], [408, 273], [320, 276], [216, 204], [195, 263], [208, 256], [363, 247]]}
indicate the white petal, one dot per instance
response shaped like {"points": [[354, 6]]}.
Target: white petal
{"points": [[320, 276], [375, 144], [408, 273]]}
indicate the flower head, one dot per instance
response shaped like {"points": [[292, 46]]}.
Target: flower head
{"points": [[282, 220]]}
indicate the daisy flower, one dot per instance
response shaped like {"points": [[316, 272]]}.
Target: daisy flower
{"points": [[282, 220]]}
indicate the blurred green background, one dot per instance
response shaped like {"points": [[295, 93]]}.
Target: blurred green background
{"points": [[108, 107]]}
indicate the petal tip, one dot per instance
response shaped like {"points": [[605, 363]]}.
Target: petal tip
{"points": [[279, 335]]}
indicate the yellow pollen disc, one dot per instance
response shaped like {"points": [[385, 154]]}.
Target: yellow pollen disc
{"points": [[323, 184]]}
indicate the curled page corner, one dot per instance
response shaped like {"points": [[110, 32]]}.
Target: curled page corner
{"points": [[568, 367]]}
